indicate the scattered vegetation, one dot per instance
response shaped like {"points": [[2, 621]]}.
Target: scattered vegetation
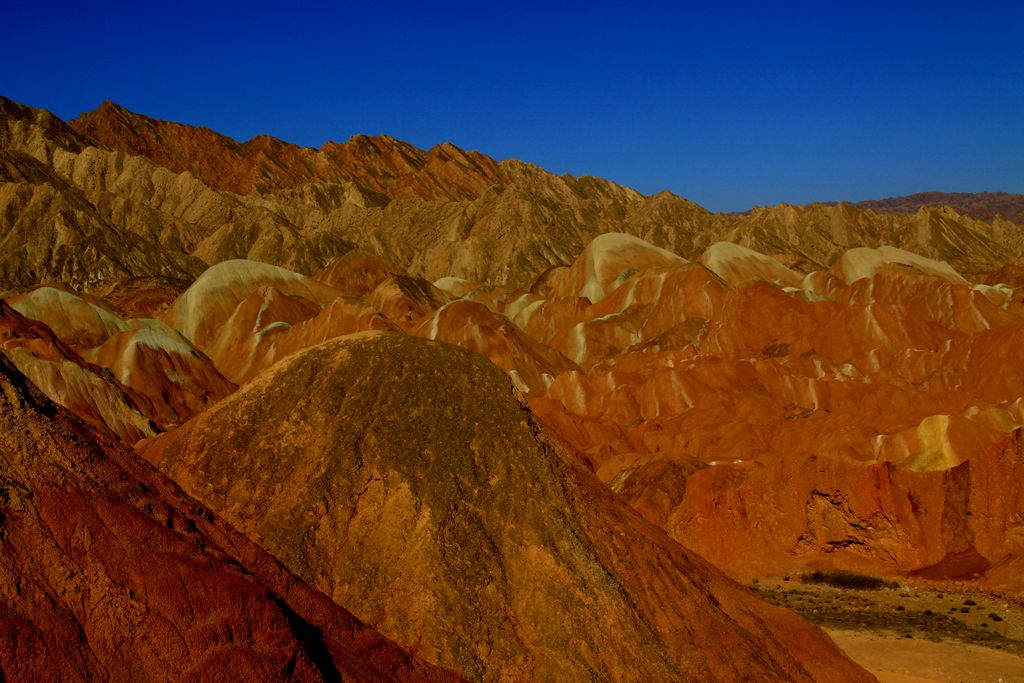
{"points": [[848, 580], [913, 616]]}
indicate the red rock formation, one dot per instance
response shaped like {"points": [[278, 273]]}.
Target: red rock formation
{"points": [[356, 274], [156, 372], [141, 297], [85, 389], [267, 313], [247, 315], [956, 523], [814, 388], [654, 308], [531, 365], [908, 365], [380, 164], [175, 380], [405, 301], [404, 478], [110, 572], [76, 320]]}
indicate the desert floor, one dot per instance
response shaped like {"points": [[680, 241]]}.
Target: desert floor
{"points": [[915, 633]]}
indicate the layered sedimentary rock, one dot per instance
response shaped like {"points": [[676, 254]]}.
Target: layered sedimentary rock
{"points": [[651, 368], [963, 521], [66, 378], [403, 478], [381, 164], [110, 572], [172, 379], [76, 320], [126, 376], [843, 396], [121, 195]]}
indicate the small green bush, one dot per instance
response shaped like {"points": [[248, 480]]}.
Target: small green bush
{"points": [[995, 617], [845, 579]]}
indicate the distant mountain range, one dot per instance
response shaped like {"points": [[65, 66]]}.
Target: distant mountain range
{"points": [[153, 198], [983, 205]]}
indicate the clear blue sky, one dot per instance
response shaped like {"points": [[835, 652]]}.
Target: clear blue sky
{"points": [[728, 104]]}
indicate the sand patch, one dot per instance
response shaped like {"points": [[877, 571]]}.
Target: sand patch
{"points": [[895, 659]]}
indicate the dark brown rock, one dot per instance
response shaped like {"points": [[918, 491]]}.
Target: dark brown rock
{"points": [[110, 572], [403, 477]]}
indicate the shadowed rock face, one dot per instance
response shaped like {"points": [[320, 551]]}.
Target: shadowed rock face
{"points": [[110, 572], [403, 478]]}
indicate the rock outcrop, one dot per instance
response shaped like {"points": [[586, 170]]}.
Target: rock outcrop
{"points": [[110, 572], [795, 387], [65, 377], [403, 478], [844, 396]]}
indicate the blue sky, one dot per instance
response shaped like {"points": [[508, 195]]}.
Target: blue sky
{"points": [[729, 104]]}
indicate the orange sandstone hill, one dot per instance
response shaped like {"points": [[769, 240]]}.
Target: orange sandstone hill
{"points": [[403, 478], [110, 572], [84, 388], [662, 376]]}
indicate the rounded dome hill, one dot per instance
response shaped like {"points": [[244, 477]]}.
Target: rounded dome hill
{"points": [[406, 479]]}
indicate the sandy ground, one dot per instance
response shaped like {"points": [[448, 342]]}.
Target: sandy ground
{"points": [[915, 631], [894, 659]]}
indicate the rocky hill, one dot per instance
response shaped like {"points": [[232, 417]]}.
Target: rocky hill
{"points": [[404, 478], [117, 194], [110, 572]]}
